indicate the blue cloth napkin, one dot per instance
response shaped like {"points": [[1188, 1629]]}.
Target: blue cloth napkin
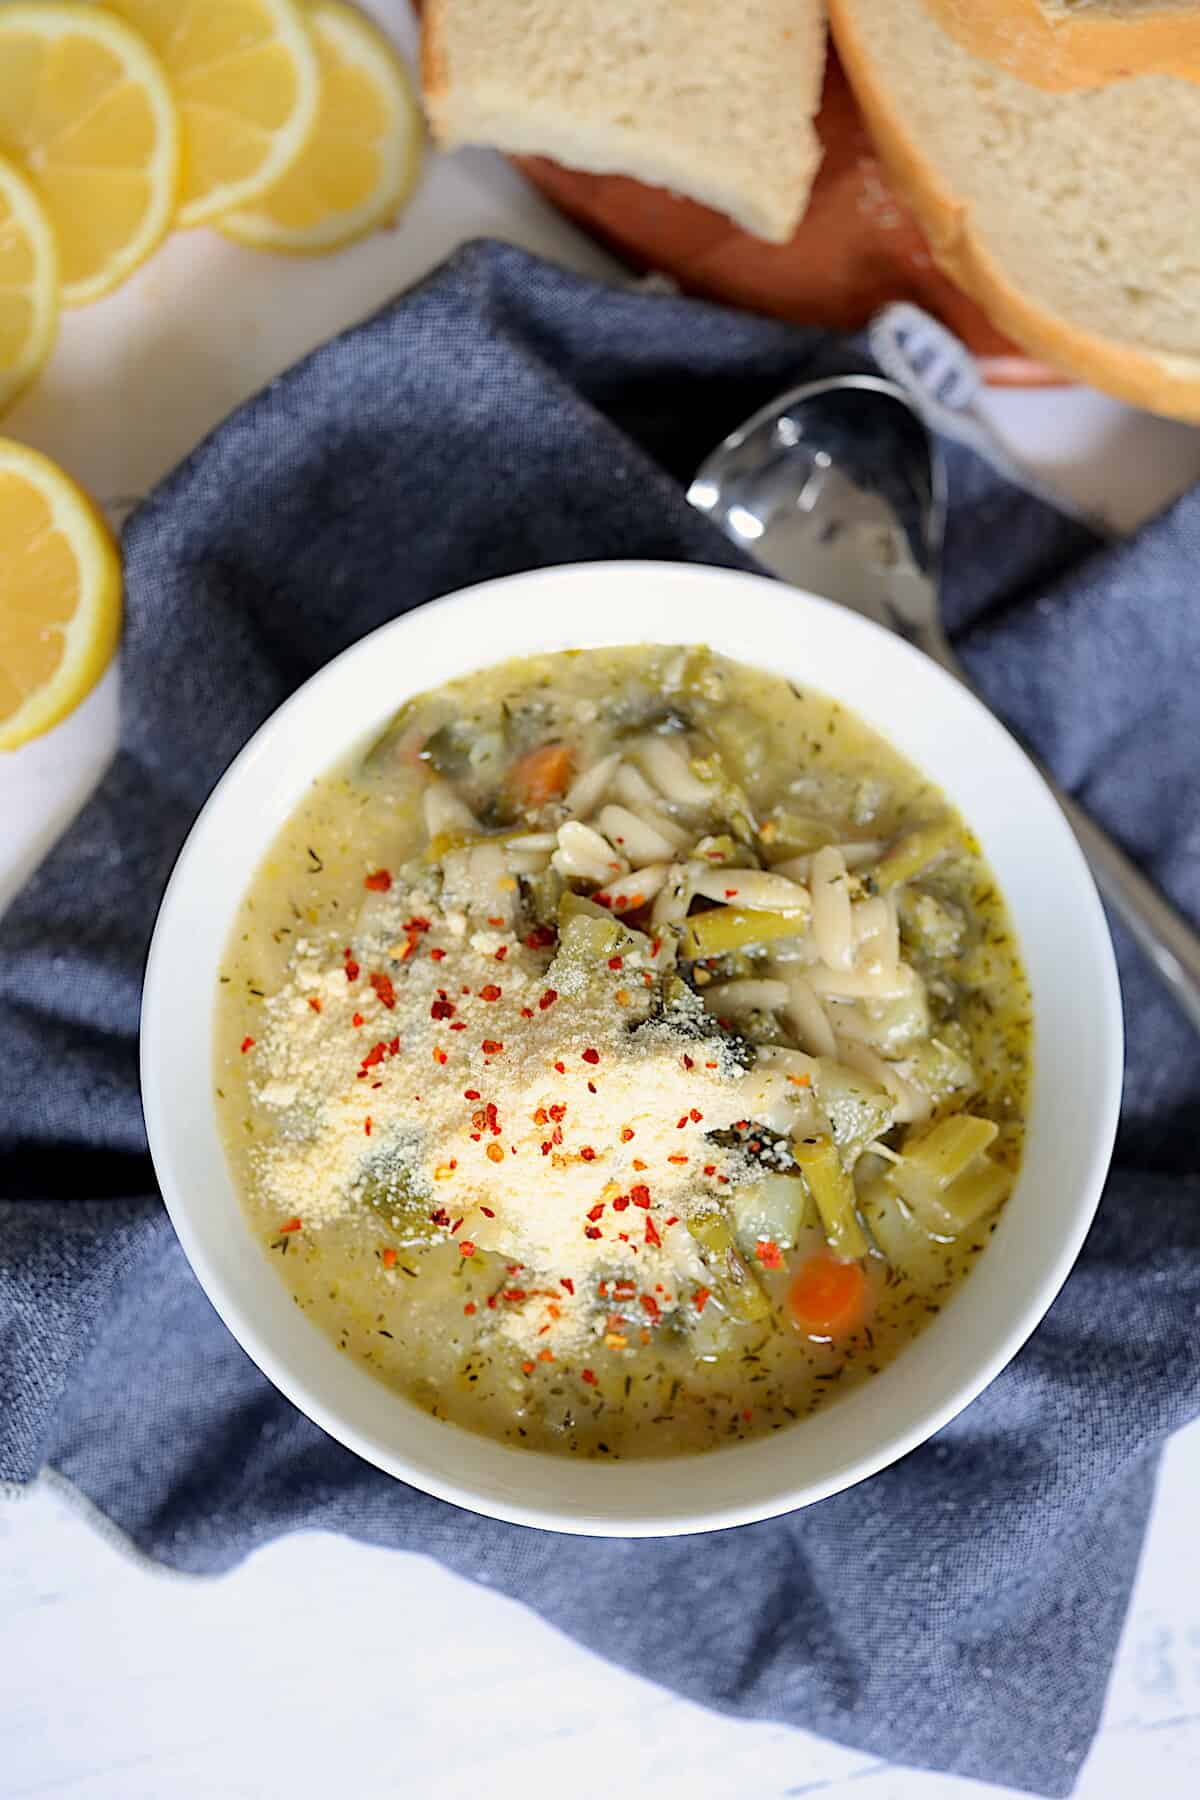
{"points": [[960, 1610]]}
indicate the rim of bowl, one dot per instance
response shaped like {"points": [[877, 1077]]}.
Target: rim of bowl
{"points": [[1090, 931]]}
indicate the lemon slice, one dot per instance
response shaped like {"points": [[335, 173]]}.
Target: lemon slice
{"points": [[86, 112], [245, 75], [359, 164], [60, 594], [28, 284]]}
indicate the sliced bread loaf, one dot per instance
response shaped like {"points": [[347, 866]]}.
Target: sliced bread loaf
{"points": [[1070, 218], [1062, 44], [712, 102]]}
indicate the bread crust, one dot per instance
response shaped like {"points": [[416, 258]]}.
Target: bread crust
{"points": [[1080, 50], [1163, 383]]}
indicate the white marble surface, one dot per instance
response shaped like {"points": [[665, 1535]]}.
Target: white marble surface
{"points": [[322, 1666]]}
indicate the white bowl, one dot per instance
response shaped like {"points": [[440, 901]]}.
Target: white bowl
{"points": [[1061, 930]]}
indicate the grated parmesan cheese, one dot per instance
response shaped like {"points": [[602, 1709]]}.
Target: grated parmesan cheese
{"points": [[564, 1131]]}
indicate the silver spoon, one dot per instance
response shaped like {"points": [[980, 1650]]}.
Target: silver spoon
{"points": [[838, 487]]}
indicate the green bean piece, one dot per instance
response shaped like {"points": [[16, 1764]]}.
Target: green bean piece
{"points": [[913, 853], [728, 928], [833, 1192]]}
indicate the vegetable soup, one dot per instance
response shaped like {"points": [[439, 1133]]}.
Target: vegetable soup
{"points": [[625, 1055]]}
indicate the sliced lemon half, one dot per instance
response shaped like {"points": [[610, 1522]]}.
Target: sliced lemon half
{"points": [[87, 115], [60, 594], [28, 283], [362, 158], [244, 73]]}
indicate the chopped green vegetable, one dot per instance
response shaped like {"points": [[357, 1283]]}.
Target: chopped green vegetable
{"points": [[733, 1282], [773, 1209], [833, 1191], [858, 1109], [913, 853], [946, 1175], [728, 928]]}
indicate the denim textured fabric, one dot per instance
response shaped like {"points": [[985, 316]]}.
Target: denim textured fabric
{"points": [[960, 1610]]}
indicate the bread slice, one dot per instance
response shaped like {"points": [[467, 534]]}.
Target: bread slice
{"points": [[712, 102], [1063, 44], [1070, 218]]}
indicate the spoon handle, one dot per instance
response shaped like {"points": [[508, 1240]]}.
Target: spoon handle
{"points": [[1171, 944]]}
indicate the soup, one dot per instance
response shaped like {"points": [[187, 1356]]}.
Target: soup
{"points": [[624, 1055]]}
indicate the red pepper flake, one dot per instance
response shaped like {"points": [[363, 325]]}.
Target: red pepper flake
{"points": [[541, 1116], [565, 1281], [561, 1067], [247, 1044], [291, 1225], [592, 1231], [514, 1295], [710, 1168], [587, 1153], [680, 1123], [616, 962], [723, 1178], [495, 1152], [314, 1003], [388, 1258], [688, 1063], [588, 1376], [527, 1368], [417, 925], [501, 953], [769, 1253], [547, 999], [558, 1111], [556, 1136], [379, 882], [621, 1203], [639, 1165], [626, 1134], [374, 1055], [490, 992], [545, 1356], [674, 1219], [367, 1124], [490, 1047], [677, 1159], [442, 1009], [623, 1290], [439, 1055], [385, 992], [591, 1087], [701, 1298], [602, 899], [356, 1019], [695, 1116], [547, 1146], [458, 1025], [351, 970], [470, 1308], [485, 1210], [640, 1195], [596, 1210], [440, 1217], [527, 1012], [650, 1305], [731, 893], [495, 921], [652, 1237], [470, 1093], [437, 954], [591, 1056], [540, 938], [394, 1050], [466, 1247]]}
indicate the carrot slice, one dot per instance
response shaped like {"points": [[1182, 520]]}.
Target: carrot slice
{"points": [[828, 1297], [541, 774]]}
